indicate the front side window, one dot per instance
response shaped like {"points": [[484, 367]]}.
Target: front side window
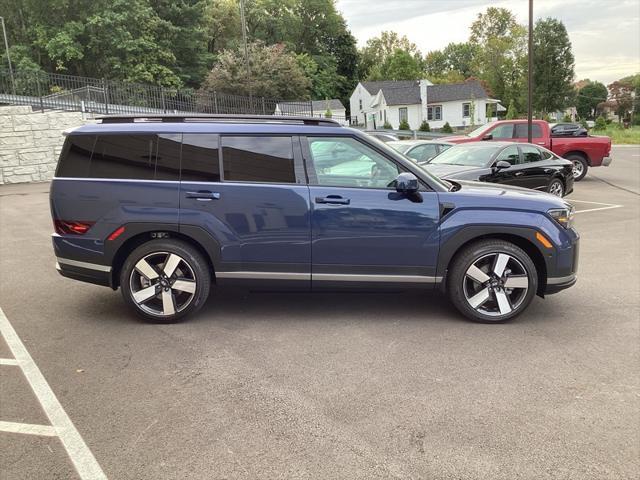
{"points": [[502, 132], [345, 162], [530, 154], [403, 114], [258, 159], [509, 154], [466, 110]]}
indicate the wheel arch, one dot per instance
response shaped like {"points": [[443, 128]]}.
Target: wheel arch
{"points": [[519, 237], [578, 153]]}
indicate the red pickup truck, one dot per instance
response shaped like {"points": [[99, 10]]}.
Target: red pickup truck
{"points": [[583, 151]]}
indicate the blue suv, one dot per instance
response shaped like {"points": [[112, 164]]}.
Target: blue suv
{"points": [[166, 207]]}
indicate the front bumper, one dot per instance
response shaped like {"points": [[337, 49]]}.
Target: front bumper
{"points": [[606, 161], [557, 284], [564, 275]]}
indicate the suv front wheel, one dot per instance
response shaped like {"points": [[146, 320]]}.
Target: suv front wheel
{"points": [[492, 281], [164, 280]]}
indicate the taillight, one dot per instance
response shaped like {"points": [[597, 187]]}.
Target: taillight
{"points": [[70, 227]]}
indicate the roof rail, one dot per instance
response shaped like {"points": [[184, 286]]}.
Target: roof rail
{"points": [[177, 118]]}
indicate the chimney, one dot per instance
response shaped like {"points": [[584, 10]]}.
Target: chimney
{"points": [[423, 98]]}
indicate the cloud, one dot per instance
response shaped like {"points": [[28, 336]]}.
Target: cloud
{"points": [[605, 34]]}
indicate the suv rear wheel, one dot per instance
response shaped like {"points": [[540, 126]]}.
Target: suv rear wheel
{"points": [[492, 281], [164, 280]]}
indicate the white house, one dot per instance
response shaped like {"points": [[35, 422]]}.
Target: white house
{"points": [[314, 108], [460, 104]]}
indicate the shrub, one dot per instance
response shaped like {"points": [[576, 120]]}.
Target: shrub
{"points": [[566, 118], [328, 113], [424, 126], [446, 128], [601, 123], [404, 125], [584, 124], [636, 119], [387, 125]]}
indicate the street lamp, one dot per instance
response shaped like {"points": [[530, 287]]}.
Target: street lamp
{"points": [[6, 46]]}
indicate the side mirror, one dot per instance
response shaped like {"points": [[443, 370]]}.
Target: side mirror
{"points": [[488, 136], [501, 165], [407, 183]]}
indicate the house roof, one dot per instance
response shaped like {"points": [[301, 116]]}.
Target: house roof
{"points": [[317, 106], [407, 92]]}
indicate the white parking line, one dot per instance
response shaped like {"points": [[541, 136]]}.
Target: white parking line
{"points": [[28, 428], [605, 206], [82, 458], [8, 361]]}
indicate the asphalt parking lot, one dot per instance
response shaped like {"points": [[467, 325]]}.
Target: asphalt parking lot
{"points": [[325, 386]]}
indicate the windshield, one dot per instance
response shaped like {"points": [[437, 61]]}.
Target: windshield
{"points": [[399, 147], [478, 131], [472, 156]]}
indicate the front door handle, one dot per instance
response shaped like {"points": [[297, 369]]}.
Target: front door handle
{"points": [[333, 200], [203, 195], [519, 173]]}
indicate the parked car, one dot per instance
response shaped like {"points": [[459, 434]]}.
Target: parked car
{"points": [[420, 150], [521, 165], [164, 208], [382, 136], [584, 152]]}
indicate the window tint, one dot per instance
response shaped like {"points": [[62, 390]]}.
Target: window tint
{"points": [[258, 159], [345, 162], [530, 154], [502, 132], [168, 157], [423, 152], [124, 156], [523, 132], [200, 162], [76, 156], [509, 154]]}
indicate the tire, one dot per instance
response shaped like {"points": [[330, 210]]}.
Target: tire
{"points": [[481, 295], [580, 166], [556, 187], [163, 281]]}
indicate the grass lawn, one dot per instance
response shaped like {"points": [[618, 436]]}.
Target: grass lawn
{"points": [[620, 136]]}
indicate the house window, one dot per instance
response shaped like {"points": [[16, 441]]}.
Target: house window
{"points": [[385, 116], [404, 115], [360, 103], [380, 115], [434, 112], [466, 110]]}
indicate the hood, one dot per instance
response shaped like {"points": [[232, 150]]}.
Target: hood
{"points": [[442, 170], [456, 139]]}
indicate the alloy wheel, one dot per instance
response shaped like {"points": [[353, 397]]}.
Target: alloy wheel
{"points": [[578, 168], [162, 284], [556, 188], [495, 284]]}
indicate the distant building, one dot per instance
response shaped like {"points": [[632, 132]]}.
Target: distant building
{"points": [[314, 108], [461, 104]]}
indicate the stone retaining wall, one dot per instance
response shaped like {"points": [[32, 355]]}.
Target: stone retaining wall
{"points": [[30, 142]]}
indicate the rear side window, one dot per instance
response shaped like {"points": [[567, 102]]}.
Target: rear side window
{"points": [[200, 159], [258, 159], [124, 156], [76, 156], [522, 131], [531, 154]]}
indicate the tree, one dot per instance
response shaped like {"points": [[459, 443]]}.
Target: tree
{"points": [[588, 97], [446, 128], [400, 65], [512, 111], [601, 123], [622, 94], [275, 73], [553, 66], [378, 50]]}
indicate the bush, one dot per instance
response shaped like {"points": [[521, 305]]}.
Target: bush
{"points": [[584, 124], [446, 128], [404, 125], [328, 113], [387, 125], [566, 118], [424, 126], [601, 123], [636, 119]]}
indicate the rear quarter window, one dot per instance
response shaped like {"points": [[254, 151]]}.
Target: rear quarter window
{"points": [[75, 158]]}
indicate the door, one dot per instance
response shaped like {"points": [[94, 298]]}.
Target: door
{"points": [[521, 134], [537, 173], [362, 230], [513, 175], [250, 194]]}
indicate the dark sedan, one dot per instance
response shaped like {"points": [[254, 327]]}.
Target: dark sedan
{"points": [[521, 164]]}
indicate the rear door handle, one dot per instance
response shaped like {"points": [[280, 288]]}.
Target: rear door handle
{"points": [[203, 195], [334, 200]]}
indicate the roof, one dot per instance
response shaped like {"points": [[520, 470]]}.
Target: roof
{"points": [[407, 92], [306, 106]]}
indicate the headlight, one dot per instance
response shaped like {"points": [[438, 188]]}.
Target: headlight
{"points": [[564, 216]]}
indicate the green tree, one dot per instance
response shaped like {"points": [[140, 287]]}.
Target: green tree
{"points": [[553, 66], [446, 128], [275, 73], [601, 123], [622, 95], [378, 50], [512, 111], [588, 97], [400, 65]]}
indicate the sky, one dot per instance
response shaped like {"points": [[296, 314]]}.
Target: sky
{"points": [[605, 34]]}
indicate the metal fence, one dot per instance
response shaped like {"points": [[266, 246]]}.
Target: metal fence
{"points": [[101, 96]]}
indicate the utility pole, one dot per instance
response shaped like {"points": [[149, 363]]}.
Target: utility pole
{"points": [[6, 46], [243, 22], [530, 75]]}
